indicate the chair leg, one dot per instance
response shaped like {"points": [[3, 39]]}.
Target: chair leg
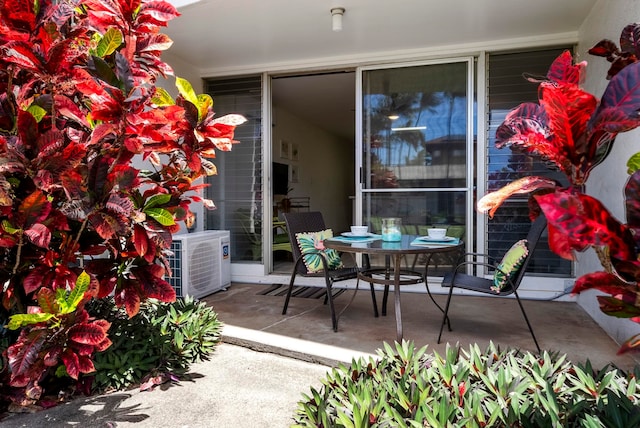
{"points": [[334, 318], [527, 320], [373, 298], [289, 291], [446, 312]]}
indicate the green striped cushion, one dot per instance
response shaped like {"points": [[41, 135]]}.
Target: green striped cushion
{"points": [[510, 265]]}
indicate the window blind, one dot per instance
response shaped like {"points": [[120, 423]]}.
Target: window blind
{"points": [[507, 87]]}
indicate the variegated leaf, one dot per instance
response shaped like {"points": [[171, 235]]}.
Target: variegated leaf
{"points": [[492, 201]]}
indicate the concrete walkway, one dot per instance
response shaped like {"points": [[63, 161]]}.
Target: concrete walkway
{"points": [[237, 387]]}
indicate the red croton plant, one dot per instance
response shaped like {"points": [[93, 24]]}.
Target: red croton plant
{"points": [[78, 105], [573, 131]]}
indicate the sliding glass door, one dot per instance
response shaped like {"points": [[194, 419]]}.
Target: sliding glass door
{"points": [[416, 148]]}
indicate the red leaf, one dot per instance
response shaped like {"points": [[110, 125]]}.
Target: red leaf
{"points": [[69, 109], [107, 226], [24, 354], [103, 345], [603, 281], [35, 208], [631, 345], [563, 70], [34, 279], [87, 333], [85, 365], [140, 240], [130, 299], [21, 54], [160, 11], [39, 235], [70, 360], [52, 356], [585, 221]]}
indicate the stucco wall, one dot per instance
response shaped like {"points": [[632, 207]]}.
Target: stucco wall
{"points": [[606, 20]]}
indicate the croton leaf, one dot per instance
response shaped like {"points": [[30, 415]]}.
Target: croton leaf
{"points": [[160, 215], [47, 301], [39, 235], [24, 353], [87, 333], [623, 95], [111, 41], [35, 208], [85, 365], [630, 345], [186, 90], [52, 356], [159, 11], [563, 70], [633, 164], [17, 321], [585, 221], [70, 360], [492, 201], [619, 308], [607, 283], [21, 54], [140, 240], [632, 203], [129, 298]]}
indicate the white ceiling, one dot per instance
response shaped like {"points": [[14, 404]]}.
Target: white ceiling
{"points": [[229, 37]]}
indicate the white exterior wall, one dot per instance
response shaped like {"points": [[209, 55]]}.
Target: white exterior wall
{"points": [[606, 182]]}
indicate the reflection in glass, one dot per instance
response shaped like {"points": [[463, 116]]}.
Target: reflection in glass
{"points": [[415, 126]]}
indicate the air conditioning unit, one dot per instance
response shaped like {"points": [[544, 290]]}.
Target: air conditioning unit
{"points": [[201, 263]]}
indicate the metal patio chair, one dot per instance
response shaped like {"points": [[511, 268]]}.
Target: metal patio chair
{"points": [[308, 222], [458, 279]]}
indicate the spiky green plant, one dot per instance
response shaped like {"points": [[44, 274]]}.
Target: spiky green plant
{"points": [[408, 387]]}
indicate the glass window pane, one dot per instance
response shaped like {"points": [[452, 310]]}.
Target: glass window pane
{"points": [[237, 188], [415, 124]]}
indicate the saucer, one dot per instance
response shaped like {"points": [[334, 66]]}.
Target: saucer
{"points": [[429, 239], [351, 235]]}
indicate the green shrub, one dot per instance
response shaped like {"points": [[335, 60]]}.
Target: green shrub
{"points": [[406, 387], [163, 339]]}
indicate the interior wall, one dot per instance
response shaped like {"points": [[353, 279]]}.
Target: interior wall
{"points": [[325, 167], [606, 182]]}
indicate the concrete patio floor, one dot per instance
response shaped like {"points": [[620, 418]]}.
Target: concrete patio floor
{"points": [[256, 321]]}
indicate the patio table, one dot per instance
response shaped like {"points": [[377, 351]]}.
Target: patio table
{"points": [[392, 274]]}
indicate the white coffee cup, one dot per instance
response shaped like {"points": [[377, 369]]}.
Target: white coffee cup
{"points": [[359, 230], [437, 233]]}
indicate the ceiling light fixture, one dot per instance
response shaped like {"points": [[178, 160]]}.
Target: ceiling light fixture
{"points": [[336, 18], [393, 117], [409, 128]]}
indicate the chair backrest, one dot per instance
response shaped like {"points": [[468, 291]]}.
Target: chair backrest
{"points": [[535, 232], [301, 222]]}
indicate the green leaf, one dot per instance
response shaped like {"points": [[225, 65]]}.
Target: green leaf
{"points": [[156, 200], [37, 112], [186, 90], [20, 320], [162, 98], [8, 227], [161, 215], [633, 164], [109, 42]]}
